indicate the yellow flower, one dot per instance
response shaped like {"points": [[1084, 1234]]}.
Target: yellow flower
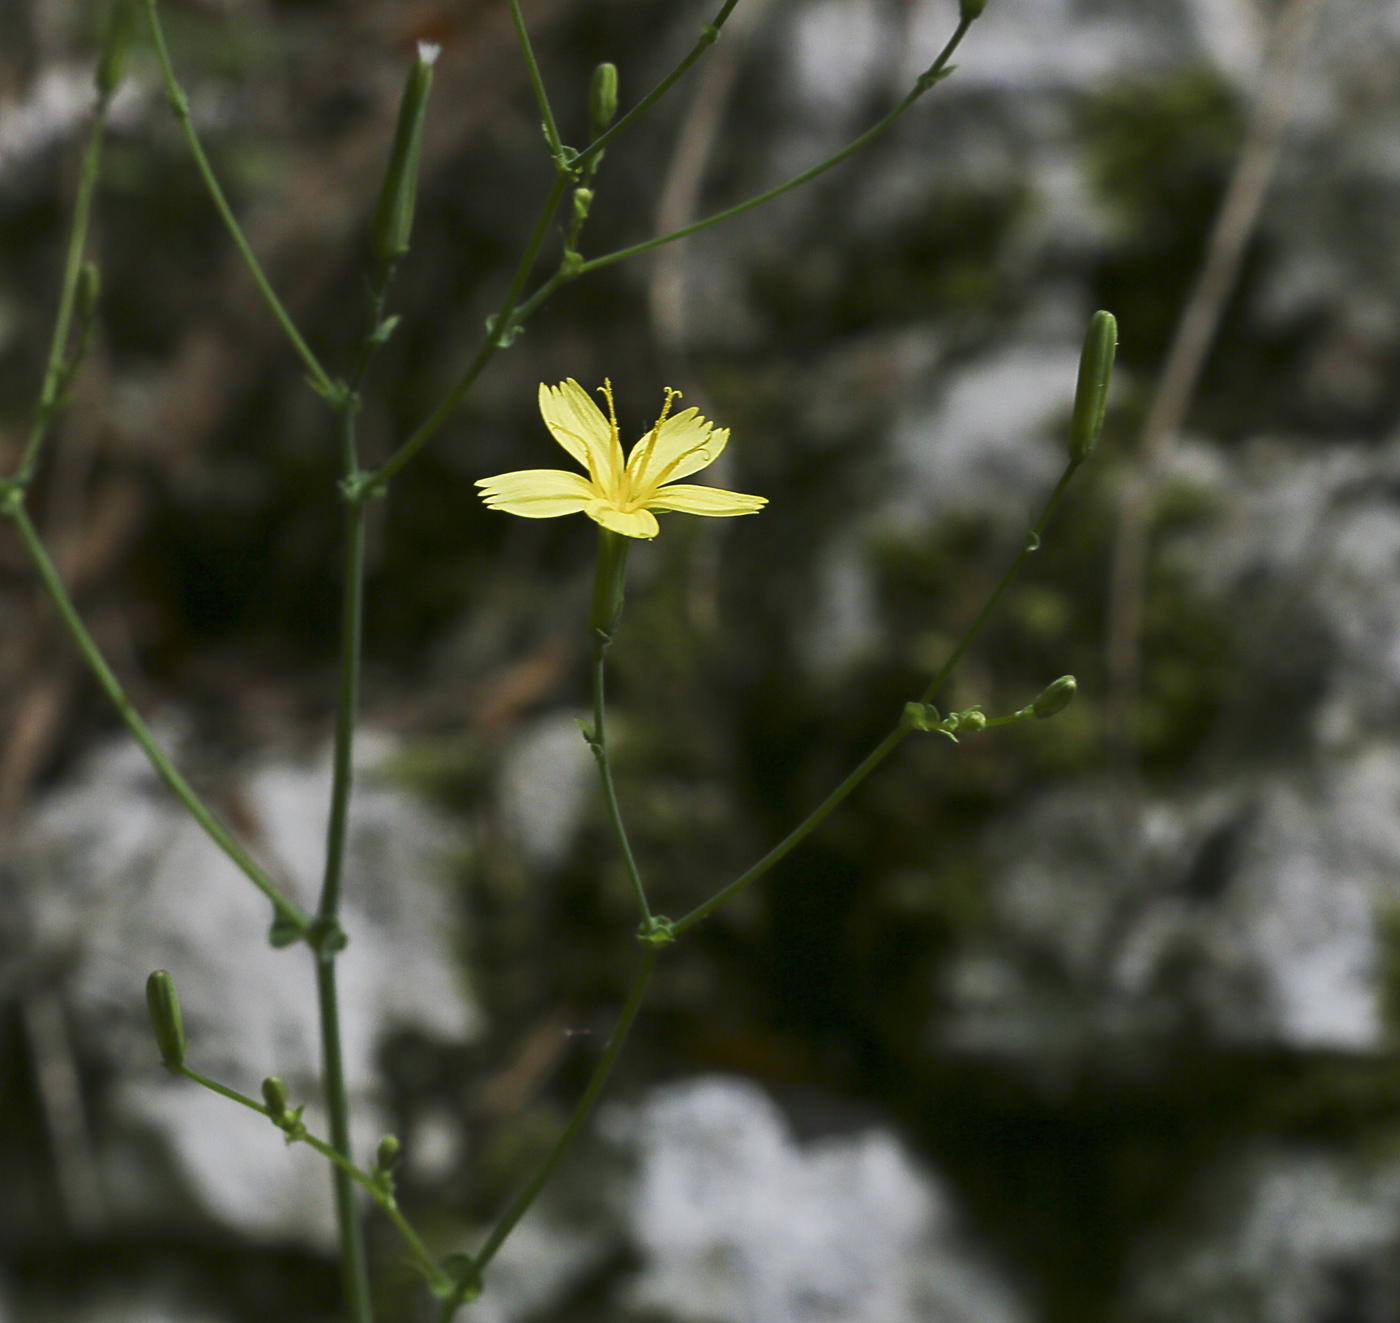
{"points": [[620, 496]]}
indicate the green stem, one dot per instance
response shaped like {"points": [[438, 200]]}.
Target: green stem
{"points": [[379, 480], [596, 1083], [353, 1263], [937, 70], [329, 938], [551, 132], [179, 103], [58, 369], [381, 1197], [708, 34], [891, 741], [287, 911], [514, 314], [599, 745]]}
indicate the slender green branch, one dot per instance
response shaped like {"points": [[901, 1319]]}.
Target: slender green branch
{"points": [[501, 330], [599, 744], [551, 132], [935, 72], [59, 370], [287, 911], [596, 1083], [514, 313], [708, 35], [301, 1135], [891, 741], [1029, 545], [328, 938], [179, 103], [354, 1264]]}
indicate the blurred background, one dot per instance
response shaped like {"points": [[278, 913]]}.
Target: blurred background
{"points": [[1089, 1019]]}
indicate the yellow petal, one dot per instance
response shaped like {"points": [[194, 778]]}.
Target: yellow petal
{"points": [[691, 499], [537, 493], [636, 523], [685, 443], [579, 426]]}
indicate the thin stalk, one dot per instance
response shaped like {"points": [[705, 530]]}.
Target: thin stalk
{"points": [[926, 80], [599, 745], [58, 370], [353, 1262], [290, 913], [381, 1197], [891, 741], [551, 132], [708, 34], [328, 937], [379, 480], [179, 103], [596, 1083]]}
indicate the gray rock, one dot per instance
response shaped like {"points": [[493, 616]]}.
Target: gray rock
{"points": [[110, 879]]}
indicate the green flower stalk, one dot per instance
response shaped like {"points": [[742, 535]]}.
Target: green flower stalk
{"points": [[117, 36]]}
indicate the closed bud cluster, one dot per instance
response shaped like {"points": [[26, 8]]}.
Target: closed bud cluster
{"points": [[392, 224], [164, 1007], [1091, 393], [602, 98]]}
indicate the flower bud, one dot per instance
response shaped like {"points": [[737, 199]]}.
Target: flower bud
{"points": [[602, 98], [1055, 698], [1091, 394], [274, 1092], [164, 1007], [392, 224], [89, 291], [117, 36], [972, 9], [387, 1154]]}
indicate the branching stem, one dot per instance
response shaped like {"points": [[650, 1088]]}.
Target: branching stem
{"points": [[179, 103], [891, 741]]}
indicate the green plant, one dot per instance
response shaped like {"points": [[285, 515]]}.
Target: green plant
{"points": [[620, 497]]}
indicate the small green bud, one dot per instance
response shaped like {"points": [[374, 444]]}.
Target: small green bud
{"points": [[89, 291], [392, 225], [387, 1153], [602, 98], [1055, 698], [117, 36], [972, 9], [164, 1007], [1091, 394], [274, 1092]]}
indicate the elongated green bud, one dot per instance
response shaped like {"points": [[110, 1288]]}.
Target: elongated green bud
{"points": [[117, 36], [274, 1092], [972, 9], [392, 225], [164, 1007], [1091, 394], [387, 1154], [1054, 698], [602, 98]]}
